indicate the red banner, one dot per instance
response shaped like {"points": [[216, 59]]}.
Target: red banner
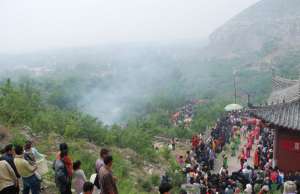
{"points": [[290, 145]]}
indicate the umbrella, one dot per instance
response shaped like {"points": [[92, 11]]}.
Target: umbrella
{"points": [[233, 107]]}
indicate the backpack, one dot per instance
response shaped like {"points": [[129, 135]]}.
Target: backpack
{"points": [[61, 173], [96, 182], [165, 179]]}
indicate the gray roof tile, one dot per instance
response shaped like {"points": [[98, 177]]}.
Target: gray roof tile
{"points": [[284, 90], [285, 115]]}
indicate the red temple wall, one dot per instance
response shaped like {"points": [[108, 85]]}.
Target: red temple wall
{"points": [[288, 150]]}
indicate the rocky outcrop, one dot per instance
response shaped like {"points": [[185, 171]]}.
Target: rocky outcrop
{"points": [[266, 26]]}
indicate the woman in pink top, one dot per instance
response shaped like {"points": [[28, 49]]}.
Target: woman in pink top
{"points": [[99, 163], [180, 161], [79, 177]]}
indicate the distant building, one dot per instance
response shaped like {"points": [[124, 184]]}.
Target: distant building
{"points": [[35, 70], [39, 71]]}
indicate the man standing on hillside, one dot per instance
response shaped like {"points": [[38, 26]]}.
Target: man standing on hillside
{"points": [[30, 181], [107, 181], [100, 163], [8, 156], [8, 179]]}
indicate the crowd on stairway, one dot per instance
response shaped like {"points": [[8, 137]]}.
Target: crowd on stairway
{"points": [[256, 174], [19, 164]]}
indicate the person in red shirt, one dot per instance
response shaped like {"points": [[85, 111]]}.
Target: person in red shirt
{"points": [[63, 155], [242, 158], [248, 150], [195, 142], [256, 158], [257, 132], [274, 175]]}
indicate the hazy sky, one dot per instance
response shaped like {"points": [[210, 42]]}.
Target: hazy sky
{"points": [[27, 25]]}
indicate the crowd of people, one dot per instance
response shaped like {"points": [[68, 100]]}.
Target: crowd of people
{"points": [[184, 116], [258, 168], [257, 173], [199, 162], [19, 164]]}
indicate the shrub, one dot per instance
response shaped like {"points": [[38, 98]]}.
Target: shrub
{"points": [[166, 153], [155, 180]]}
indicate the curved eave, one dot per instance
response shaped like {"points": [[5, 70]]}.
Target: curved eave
{"points": [[285, 115]]}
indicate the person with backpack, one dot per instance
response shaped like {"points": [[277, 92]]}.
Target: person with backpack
{"points": [[63, 167], [8, 156], [27, 171], [8, 179]]}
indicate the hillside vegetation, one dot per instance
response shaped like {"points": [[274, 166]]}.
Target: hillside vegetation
{"points": [[31, 113]]}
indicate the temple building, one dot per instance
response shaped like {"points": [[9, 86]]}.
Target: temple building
{"points": [[283, 115]]}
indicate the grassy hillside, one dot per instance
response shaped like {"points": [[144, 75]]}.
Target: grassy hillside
{"points": [[29, 111]]}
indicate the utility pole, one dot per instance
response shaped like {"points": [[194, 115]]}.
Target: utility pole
{"points": [[248, 96], [235, 86]]}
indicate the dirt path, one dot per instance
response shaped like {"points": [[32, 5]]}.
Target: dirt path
{"points": [[182, 145], [233, 161]]}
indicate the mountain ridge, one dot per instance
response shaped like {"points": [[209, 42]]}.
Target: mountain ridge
{"points": [[266, 31]]}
